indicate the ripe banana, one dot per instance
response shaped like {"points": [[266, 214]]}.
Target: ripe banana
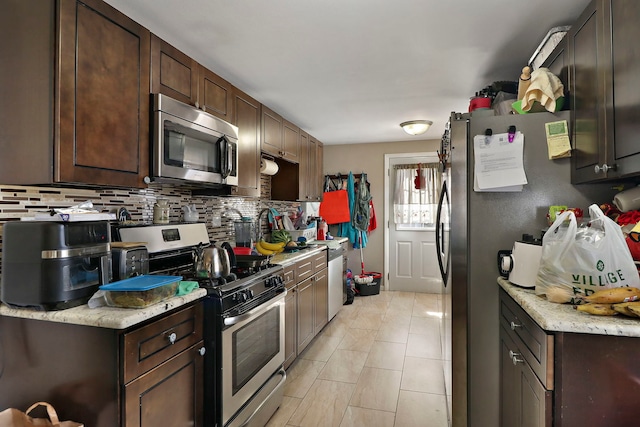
{"points": [[635, 309], [262, 250], [272, 246], [627, 308], [614, 295], [597, 309]]}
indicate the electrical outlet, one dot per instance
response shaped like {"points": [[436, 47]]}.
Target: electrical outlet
{"points": [[216, 221]]}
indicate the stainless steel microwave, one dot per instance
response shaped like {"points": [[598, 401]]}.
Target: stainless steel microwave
{"points": [[191, 146]]}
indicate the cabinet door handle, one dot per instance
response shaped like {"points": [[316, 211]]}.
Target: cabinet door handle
{"points": [[202, 351], [515, 325], [515, 357], [605, 168], [172, 337]]}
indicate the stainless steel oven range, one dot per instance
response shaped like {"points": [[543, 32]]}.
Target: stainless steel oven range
{"points": [[244, 326]]}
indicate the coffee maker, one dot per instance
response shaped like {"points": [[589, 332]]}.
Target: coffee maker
{"points": [[50, 265]]}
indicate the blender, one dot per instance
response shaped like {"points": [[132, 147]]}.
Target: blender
{"points": [[244, 232]]}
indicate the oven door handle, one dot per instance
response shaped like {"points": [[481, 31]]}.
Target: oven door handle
{"points": [[229, 321]]}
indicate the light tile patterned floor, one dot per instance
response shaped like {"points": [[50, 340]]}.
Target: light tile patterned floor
{"points": [[378, 363]]}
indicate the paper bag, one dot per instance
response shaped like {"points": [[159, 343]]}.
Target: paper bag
{"points": [[12, 417]]}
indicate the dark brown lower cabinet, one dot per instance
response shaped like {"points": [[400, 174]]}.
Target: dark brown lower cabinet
{"points": [[306, 297], [307, 303], [565, 379], [170, 394], [321, 299], [525, 402], [147, 375]]}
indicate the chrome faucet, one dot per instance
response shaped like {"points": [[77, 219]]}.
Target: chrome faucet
{"points": [[236, 210], [258, 229]]}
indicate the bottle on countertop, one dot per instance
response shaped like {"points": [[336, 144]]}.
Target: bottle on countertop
{"points": [[323, 229]]}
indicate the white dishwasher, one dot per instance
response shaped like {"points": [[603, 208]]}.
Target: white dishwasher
{"points": [[337, 288]]}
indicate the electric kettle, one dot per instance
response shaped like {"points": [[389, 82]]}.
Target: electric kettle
{"points": [[520, 265]]}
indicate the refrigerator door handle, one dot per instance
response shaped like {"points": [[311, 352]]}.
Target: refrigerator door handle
{"points": [[440, 232]]}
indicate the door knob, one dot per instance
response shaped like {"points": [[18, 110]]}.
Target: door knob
{"points": [[172, 337]]}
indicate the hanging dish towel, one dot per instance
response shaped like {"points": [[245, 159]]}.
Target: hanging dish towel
{"points": [[346, 229]]}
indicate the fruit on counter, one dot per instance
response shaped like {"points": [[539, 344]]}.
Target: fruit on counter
{"points": [[627, 308], [264, 251], [292, 244], [597, 309], [559, 294], [278, 236], [271, 246], [614, 295]]}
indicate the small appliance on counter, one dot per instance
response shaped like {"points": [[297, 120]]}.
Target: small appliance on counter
{"points": [[129, 259], [520, 265], [54, 265]]}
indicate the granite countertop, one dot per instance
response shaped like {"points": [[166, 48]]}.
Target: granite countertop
{"points": [[564, 318], [285, 258], [104, 317]]}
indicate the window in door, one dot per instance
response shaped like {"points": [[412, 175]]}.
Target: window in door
{"points": [[416, 195]]}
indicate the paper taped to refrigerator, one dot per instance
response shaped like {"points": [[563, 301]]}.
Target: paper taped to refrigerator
{"points": [[499, 163]]}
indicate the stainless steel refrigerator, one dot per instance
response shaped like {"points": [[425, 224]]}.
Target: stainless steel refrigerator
{"points": [[481, 224]]}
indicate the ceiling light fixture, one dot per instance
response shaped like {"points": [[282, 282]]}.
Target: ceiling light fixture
{"points": [[416, 127]]}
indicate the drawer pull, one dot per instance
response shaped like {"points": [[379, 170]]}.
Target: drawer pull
{"points": [[172, 337], [515, 357], [202, 351], [515, 325]]}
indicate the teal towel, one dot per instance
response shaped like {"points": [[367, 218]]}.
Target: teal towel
{"points": [[185, 288]]}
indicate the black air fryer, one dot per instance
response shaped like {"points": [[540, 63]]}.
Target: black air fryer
{"points": [[54, 265]]}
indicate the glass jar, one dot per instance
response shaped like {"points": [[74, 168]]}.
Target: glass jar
{"points": [[161, 211]]}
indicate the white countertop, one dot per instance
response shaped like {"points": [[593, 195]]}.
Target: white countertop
{"points": [[104, 317], [565, 318]]}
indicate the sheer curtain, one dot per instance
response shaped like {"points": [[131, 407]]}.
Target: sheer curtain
{"points": [[415, 201]]}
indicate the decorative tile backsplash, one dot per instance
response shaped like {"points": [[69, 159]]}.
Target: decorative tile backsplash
{"points": [[17, 202]]}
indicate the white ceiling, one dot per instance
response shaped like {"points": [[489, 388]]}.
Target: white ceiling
{"points": [[350, 71]]}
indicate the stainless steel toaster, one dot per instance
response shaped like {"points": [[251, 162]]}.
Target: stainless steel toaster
{"points": [[129, 260]]}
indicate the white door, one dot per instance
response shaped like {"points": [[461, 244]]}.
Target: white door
{"points": [[411, 249]]}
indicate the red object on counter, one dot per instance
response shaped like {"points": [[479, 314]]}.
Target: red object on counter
{"points": [[323, 228], [239, 250]]}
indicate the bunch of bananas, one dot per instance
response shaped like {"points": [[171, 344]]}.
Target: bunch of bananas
{"points": [[609, 302], [266, 248]]}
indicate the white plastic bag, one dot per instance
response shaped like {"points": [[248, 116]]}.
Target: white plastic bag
{"points": [[581, 261]]}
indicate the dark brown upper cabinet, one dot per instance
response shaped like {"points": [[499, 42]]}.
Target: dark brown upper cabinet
{"points": [[75, 95], [605, 102], [280, 138], [246, 115], [175, 74]]}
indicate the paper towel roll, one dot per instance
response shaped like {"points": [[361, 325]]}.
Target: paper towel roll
{"points": [[628, 200], [268, 167]]}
